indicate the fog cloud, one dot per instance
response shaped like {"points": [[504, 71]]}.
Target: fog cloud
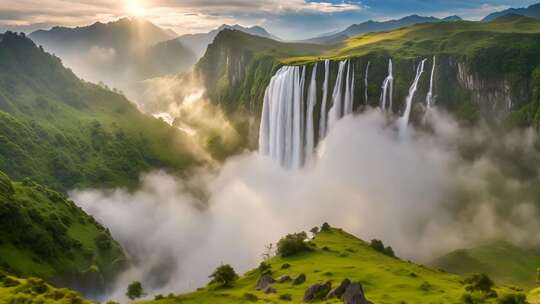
{"points": [[434, 192]]}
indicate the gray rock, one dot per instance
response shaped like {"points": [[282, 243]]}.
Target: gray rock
{"points": [[283, 279], [264, 281], [270, 289], [340, 290], [354, 294], [317, 292], [299, 280]]}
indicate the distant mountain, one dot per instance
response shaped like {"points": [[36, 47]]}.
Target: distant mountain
{"points": [[199, 42], [120, 34], [118, 53], [376, 26], [531, 11]]}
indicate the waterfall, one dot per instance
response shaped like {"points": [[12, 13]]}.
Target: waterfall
{"points": [[322, 124], [429, 97], [281, 130], [311, 101], [336, 111], [404, 120], [287, 132], [388, 87], [366, 83]]}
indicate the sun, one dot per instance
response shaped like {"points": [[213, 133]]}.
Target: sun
{"points": [[135, 8]]}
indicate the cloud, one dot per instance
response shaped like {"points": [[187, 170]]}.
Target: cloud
{"points": [[424, 196]]}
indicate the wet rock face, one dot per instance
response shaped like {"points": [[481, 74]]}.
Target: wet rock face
{"points": [[317, 292], [340, 290], [264, 281], [299, 280], [354, 294]]}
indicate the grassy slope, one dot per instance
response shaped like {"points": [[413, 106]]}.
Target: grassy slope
{"points": [[29, 291], [462, 37], [504, 262], [385, 279], [66, 133], [43, 234]]}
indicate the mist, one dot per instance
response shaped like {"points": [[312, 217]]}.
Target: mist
{"points": [[442, 188]]}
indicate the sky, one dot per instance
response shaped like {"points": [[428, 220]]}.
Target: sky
{"points": [[287, 19]]}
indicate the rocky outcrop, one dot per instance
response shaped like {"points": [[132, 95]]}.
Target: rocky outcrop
{"points": [[264, 281], [317, 292], [354, 294], [283, 279], [495, 96], [340, 290], [299, 279]]}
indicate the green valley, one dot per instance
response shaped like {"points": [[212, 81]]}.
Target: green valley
{"points": [[67, 133]]}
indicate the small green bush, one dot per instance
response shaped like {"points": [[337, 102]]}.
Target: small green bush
{"points": [[514, 298], [285, 297], [292, 244], [224, 276], [250, 297]]}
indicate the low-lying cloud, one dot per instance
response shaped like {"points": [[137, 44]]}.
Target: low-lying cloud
{"points": [[434, 192]]}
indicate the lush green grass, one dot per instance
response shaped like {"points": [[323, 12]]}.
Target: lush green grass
{"points": [[44, 234], [66, 133], [337, 255], [32, 290], [504, 262]]}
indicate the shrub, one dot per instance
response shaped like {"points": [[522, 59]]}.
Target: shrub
{"points": [[285, 297], [378, 245], [224, 276], [314, 230], [479, 282], [292, 244], [250, 297], [325, 227], [134, 290], [514, 298], [286, 266], [103, 241], [263, 267]]}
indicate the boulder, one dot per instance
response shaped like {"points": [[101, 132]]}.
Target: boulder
{"points": [[299, 279], [269, 290], [264, 281], [283, 279], [354, 294], [317, 292], [340, 290]]}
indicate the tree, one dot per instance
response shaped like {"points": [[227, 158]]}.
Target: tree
{"points": [[314, 230], [224, 276], [134, 290], [268, 250], [479, 282], [325, 227], [292, 244]]}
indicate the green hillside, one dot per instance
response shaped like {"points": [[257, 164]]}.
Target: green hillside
{"points": [[480, 66], [32, 290], [66, 133], [504, 262], [44, 234], [337, 255]]}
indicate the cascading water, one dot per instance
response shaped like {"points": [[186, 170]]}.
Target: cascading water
{"points": [[322, 124], [283, 135], [336, 111], [311, 101], [429, 97], [403, 121], [366, 83], [388, 87], [281, 130]]}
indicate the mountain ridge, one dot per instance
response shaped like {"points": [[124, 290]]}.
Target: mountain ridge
{"points": [[530, 11], [371, 26]]}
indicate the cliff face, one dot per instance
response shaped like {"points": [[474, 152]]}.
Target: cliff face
{"points": [[495, 97], [469, 86]]}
